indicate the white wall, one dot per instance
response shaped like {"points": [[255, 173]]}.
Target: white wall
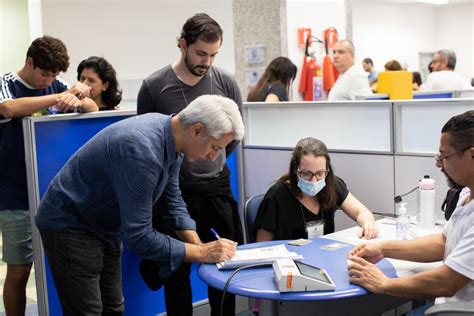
{"points": [[136, 37], [385, 31], [317, 15], [455, 30], [13, 44]]}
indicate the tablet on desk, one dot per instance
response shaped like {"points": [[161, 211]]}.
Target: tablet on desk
{"points": [[313, 272], [294, 276]]}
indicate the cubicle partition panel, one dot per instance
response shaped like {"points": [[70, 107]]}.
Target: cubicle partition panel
{"points": [[49, 142], [418, 126], [465, 94], [380, 148], [357, 126], [418, 123], [369, 177]]}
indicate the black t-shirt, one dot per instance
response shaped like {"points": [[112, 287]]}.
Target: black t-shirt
{"points": [[277, 89], [282, 214]]}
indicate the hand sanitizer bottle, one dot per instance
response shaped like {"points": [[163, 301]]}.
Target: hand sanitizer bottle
{"points": [[403, 222]]}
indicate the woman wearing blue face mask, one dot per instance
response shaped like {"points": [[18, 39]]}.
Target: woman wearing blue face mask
{"points": [[302, 203]]}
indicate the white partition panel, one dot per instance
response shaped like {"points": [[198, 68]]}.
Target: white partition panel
{"points": [[464, 94], [418, 123], [369, 178], [358, 125], [262, 167]]}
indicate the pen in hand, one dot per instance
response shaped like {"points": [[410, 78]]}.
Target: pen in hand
{"points": [[215, 233]]}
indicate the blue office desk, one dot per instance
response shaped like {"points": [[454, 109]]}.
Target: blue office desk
{"points": [[259, 282]]}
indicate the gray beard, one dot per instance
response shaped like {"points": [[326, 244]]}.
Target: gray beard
{"points": [[450, 181]]}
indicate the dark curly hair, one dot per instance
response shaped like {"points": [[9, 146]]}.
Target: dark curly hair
{"points": [[201, 26], [113, 95], [327, 198], [49, 54]]}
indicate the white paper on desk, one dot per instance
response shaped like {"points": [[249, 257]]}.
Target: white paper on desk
{"points": [[258, 255]]}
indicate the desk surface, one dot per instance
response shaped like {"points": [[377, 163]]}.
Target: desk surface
{"points": [[259, 282]]}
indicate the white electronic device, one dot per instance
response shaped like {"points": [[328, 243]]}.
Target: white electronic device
{"points": [[294, 276]]}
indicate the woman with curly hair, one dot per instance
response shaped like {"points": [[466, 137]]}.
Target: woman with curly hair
{"points": [[98, 73]]}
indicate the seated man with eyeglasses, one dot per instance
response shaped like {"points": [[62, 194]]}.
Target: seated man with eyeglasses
{"points": [[302, 203], [453, 281]]}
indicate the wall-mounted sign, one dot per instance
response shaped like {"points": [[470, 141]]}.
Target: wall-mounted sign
{"points": [[252, 75], [255, 54]]}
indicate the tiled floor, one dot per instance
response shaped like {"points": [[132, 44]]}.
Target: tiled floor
{"points": [[30, 289]]}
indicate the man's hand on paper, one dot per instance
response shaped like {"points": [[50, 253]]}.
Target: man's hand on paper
{"points": [[219, 250], [366, 274]]}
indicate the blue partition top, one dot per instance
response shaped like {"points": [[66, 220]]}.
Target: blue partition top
{"points": [[433, 95], [259, 282]]}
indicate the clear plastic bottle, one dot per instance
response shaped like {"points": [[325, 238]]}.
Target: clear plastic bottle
{"points": [[403, 223], [53, 110]]}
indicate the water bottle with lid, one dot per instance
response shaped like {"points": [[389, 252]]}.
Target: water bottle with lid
{"points": [[403, 223], [426, 202], [418, 197]]}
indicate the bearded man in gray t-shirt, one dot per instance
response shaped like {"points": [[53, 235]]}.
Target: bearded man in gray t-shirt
{"points": [[205, 184]]}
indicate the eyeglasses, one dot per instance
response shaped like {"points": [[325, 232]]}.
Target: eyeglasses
{"points": [[308, 175], [439, 158]]}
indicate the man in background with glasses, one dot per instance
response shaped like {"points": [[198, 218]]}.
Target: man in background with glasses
{"points": [[443, 76], [454, 280]]}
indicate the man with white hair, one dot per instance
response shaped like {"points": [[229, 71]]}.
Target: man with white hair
{"points": [[352, 81], [443, 76], [105, 194]]}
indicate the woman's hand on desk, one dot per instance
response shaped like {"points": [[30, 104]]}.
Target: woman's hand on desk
{"points": [[368, 231], [366, 274], [371, 252]]}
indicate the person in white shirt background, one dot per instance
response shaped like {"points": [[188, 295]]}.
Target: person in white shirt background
{"points": [[443, 76], [352, 81]]}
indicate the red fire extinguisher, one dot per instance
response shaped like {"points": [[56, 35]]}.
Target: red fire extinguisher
{"points": [[330, 73], [313, 84], [311, 76]]}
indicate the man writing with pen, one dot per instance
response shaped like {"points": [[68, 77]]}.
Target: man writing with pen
{"points": [[213, 231], [105, 193]]}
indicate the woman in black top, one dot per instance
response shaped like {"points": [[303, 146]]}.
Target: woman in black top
{"points": [[275, 82], [302, 203]]}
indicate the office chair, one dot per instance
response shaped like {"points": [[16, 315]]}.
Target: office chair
{"points": [[250, 212], [451, 309]]}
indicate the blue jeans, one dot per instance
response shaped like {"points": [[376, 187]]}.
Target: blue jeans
{"points": [[87, 275]]}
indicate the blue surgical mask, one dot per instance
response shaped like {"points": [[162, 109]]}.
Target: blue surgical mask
{"points": [[311, 188]]}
